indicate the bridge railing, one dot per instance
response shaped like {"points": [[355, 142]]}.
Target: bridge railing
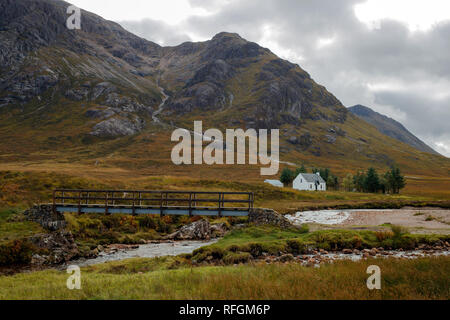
{"points": [[134, 199]]}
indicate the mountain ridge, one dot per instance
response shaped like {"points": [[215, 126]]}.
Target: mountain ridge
{"points": [[390, 127]]}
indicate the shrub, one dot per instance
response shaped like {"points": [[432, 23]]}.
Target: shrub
{"points": [[304, 228], [384, 235], [295, 247], [216, 253], [18, 252], [146, 222], [398, 231], [236, 258], [255, 249]]}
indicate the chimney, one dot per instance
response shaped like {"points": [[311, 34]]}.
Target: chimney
{"points": [[318, 173]]}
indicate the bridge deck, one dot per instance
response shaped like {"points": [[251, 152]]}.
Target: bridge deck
{"points": [[227, 204]]}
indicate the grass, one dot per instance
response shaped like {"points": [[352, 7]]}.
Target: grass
{"points": [[401, 279], [15, 230], [23, 188]]}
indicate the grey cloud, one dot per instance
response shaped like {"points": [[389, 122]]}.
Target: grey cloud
{"points": [[156, 31], [419, 62]]}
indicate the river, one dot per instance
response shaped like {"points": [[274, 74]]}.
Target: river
{"points": [[146, 251]]}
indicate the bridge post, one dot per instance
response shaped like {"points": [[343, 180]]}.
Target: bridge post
{"points": [[79, 202], [133, 207], [190, 204], [106, 203], [221, 196]]}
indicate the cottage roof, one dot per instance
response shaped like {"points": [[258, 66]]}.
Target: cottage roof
{"points": [[312, 178]]}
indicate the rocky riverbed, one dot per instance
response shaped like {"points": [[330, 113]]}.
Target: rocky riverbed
{"points": [[318, 257]]}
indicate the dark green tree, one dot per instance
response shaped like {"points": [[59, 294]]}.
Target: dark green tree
{"points": [[332, 182], [302, 169], [372, 181], [395, 181], [359, 181], [287, 176]]}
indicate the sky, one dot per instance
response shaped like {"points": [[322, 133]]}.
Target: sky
{"points": [[390, 55]]}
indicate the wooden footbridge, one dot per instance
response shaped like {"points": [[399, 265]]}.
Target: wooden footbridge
{"points": [[192, 203]]}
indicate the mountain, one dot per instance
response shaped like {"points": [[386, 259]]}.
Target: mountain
{"points": [[390, 127], [103, 95]]}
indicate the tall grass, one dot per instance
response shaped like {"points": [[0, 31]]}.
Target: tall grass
{"points": [[401, 279]]}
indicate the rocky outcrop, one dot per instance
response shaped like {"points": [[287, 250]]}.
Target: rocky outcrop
{"points": [[118, 126], [54, 248], [199, 230], [44, 215], [268, 217]]}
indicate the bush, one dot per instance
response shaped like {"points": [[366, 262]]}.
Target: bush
{"points": [[18, 252], [236, 258], [304, 228], [295, 247], [384, 235], [255, 249], [146, 222], [398, 231]]}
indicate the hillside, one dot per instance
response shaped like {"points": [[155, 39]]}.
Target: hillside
{"points": [[390, 127], [101, 101]]}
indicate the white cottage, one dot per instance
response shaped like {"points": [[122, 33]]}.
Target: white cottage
{"points": [[310, 182]]}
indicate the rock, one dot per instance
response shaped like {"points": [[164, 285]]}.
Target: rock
{"points": [[373, 252], [294, 140], [44, 215], [102, 88], [77, 94], [219, 230], [99, 113], [286, 258], [118, 126], [305, 140], [330, 139], [347, 251], [199, 230], [268, 217], [60, 246], [366, 255]]}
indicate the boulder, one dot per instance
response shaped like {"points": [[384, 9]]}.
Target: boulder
{"points": [[56, 247], [219, 230], [199, 230], [268, 217], [118, 126]]}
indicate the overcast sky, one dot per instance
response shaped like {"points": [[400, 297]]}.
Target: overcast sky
{"points": [[390, 55]]}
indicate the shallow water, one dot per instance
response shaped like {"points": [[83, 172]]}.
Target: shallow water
{"points": [[146, 251]]}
